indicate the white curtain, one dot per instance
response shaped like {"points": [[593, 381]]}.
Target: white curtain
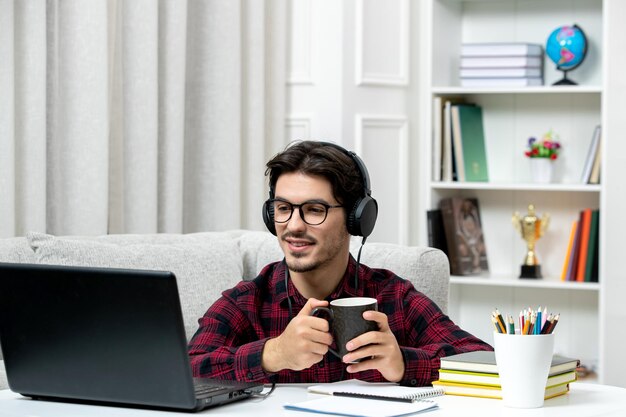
{"points": [[138, 116]]}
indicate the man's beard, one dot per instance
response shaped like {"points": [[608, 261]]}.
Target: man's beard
{"points": [[328, 253]]}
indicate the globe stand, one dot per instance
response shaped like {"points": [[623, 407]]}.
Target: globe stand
{"points": [[565, 80]]}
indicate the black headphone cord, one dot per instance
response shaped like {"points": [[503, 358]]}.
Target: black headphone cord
{"points": [[358, 264]]}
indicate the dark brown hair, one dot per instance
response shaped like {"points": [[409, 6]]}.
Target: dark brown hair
{"points": [[319, 159]]}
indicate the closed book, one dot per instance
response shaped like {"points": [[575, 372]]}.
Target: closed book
{"points": [[501, 49], [568, 254], [467, 252], [436, 232], [502, 82], [594, 177], [485, 361], [446, 162], [571, 267], [591, 155], [437, 133], [489, 379], [593, 246], [472, 139], [457, 145], [500, 72], [584, 245], [522, 61], [469, 390]]}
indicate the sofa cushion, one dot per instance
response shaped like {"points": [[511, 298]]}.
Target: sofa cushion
{"points": [[16, 250], [204, 265], [426, 268], [258, 249]]}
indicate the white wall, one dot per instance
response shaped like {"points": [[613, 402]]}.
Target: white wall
{"points": [[350, 82]]}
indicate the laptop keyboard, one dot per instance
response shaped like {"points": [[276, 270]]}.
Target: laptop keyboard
{"points": [[205, 388]]}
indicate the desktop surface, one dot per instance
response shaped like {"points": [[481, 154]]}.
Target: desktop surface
{"points": [[583, 400]]}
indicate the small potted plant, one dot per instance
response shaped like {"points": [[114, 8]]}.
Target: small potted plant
{"points": [[542, 153]]}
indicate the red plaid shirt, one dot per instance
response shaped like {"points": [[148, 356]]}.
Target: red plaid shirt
{"points": [[232, 333]]}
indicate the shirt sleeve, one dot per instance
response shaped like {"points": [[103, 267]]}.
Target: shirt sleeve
{"points": [[430, 334], [226, 346]]}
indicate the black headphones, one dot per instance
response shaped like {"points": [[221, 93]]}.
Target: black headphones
{"points": [[360, 220]]}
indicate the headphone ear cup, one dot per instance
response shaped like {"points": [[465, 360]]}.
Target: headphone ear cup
{"points": [[362, 217], [268, 217]]}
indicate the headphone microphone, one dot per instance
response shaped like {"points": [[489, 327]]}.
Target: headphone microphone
{"points": [[360, 220]]}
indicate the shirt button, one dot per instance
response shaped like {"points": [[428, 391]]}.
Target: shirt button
{"points": [[321, 364], [229, 361], [250, 375], [414, 382]]}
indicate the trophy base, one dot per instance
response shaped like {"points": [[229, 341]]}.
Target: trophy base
{"points": [[531, 271]]}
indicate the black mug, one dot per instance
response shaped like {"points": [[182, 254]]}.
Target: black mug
{"points": [[345, 318]]}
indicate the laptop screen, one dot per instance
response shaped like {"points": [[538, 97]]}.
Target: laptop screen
{"points": [[94, 334]]}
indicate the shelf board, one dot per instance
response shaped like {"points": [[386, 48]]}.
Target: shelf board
{"points": [[524, 283], [506, 186], [546, 89]]}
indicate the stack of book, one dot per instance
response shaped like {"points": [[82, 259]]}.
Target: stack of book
{"points": [[475, 374], [581, 259], [502, 64]]}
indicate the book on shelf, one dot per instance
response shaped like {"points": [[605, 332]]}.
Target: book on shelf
{"points": [[485, 361], [467, 252], [522, 61], [591, 155], [591, 266], [469, 390], [573, 257], [457, 145], [436, 232], [446, 162], [568, 253], [500, 72], [493, 380], [501, 49], [584, 244], [594, 177], [437, 132], [502, 82], [469, 143]]}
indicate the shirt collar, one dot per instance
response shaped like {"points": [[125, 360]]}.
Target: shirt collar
{"points": [[344, 289]]}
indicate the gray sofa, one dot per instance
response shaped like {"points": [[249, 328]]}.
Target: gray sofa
{"points": [[205, 264]]}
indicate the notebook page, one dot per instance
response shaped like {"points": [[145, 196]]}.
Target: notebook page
{"points": [[354, 407], [383, 388]]}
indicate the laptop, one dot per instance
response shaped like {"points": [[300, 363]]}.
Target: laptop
{"points": [[101, 335]]}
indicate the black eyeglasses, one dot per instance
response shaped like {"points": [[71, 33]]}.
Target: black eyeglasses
{"points": [[311, 212]]}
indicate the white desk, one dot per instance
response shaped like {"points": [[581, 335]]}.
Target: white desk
{"points": [[582, 400]]}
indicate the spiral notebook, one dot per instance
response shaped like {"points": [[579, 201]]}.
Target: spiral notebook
{"points": [[383, 389], [356, 398]]}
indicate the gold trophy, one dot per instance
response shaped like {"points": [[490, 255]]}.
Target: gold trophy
{"points": [[531, 228]]}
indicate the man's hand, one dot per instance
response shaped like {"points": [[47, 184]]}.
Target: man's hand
{"points": [[304, 342], [381, 345]]}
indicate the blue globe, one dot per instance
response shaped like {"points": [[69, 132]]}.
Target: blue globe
{"points": [[567, 47]]}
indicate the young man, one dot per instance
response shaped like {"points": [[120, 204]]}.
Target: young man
{"points": [[262, 330]]}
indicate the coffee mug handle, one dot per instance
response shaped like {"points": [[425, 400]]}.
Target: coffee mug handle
{"points": [[330, 322]]}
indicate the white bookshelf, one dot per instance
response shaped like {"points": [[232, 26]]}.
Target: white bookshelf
{"points": [[511, 116]]}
